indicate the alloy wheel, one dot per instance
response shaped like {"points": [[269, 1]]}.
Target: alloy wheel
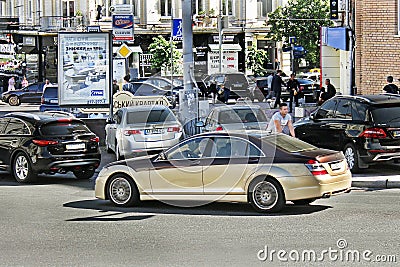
{"points": [[120, 191], [350, 157], [265, 195], [21, 167]]}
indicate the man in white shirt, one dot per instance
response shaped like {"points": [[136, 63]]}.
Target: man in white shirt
{"points": [[281, 122]]}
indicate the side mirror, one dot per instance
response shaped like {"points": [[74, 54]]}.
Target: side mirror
{"points": [[200, 124], [312, 116]]}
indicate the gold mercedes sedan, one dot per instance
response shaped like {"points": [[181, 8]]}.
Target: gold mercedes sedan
{"points": [[263, 170]]}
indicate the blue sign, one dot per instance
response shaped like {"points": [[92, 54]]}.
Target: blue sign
{"points": [[177, 30], [337, 38], [96, 93], [299, 51]]}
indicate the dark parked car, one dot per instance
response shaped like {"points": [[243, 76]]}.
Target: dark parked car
{"points": [[148, 89], [30, 94], [366, 128], [309, 90], [236, 81], [49, 100], [47, 143]]}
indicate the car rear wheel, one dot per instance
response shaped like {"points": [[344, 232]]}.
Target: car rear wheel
{"points": [[303, 201], [266, 195], [122, 191], [351, 155], [14, 100], [22, 169], [85, 173]]}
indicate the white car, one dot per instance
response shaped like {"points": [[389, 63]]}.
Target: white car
{"points": [[141, 130]]}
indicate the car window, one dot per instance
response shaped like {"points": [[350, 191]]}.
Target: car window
{"points": [[228, 147], [344, 110], [327, 110], [118, 117], [192, 149], [359, 111], [58, 128], [149, 116], [51, 92], [3, 124], [15, 127], [386, 114], [288, 143], [246, 115]]}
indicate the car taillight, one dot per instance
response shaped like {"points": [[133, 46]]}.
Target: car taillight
{"points": [[301, 88], [64, 120], [44, 142], [131, 132], [315, 167], [95, 139], [219, 128], [174, 129], [377, 133]]}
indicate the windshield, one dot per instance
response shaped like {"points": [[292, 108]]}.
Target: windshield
{"points": [[288, 143], [247, 115], [386, 114], [150, 116], [51, 92]]}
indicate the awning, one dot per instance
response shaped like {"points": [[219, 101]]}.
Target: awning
{"points": [[226, 47], [28, 50], [135, 49]]}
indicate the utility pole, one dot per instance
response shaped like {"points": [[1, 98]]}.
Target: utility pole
{"points": [[351, 44], [188, 98], [220, 36]]}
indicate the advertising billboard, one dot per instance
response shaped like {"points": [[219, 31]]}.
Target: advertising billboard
{"points": [[122, 27], [84, 69]]}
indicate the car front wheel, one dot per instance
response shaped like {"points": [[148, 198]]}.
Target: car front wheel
{"points": [[22, 169], [266, 195], [14, 101], [122, 191], [351, 155]]}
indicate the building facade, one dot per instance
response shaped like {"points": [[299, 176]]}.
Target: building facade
{"points": [[377, 44]]}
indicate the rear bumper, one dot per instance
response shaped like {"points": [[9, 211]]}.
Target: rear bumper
{"points": [[130, 147], [45, 164]]}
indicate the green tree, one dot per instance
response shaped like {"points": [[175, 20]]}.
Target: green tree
{"points": [[160, 48], [302, 19], [256, 59]]}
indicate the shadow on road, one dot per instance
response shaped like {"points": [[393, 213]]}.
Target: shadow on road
{"points": [[159, 208]]}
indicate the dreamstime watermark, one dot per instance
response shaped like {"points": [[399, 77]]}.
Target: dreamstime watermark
{"points": [[340, 253]]}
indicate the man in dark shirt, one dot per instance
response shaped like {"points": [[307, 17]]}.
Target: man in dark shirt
{"points": [[390, 88], [330, 89], [276, 87], [293, 86]]}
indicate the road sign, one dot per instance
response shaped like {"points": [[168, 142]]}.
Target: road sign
{"points": [[124, 51], [334, 9], [177, 30], [121, 9], [93, 28], [122, 27], [292, 40]]}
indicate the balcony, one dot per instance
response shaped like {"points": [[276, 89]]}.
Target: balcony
{"points": [[59, 23]]}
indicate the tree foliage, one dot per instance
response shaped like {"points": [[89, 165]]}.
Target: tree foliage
{"points": [[302, 19], [160, 48], [256, 58]]}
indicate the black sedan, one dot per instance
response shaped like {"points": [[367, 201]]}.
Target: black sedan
{"points": [[309, 90], [30, 94]]}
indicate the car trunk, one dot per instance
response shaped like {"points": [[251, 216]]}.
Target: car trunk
{"points": [[152, 132]]}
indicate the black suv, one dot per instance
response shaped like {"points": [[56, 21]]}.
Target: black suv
{"points": [[30, 94], [47, 143], [236, 82], [366, 128]]}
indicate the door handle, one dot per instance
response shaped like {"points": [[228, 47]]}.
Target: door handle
{"points": [[195, 163], [253, 160]]}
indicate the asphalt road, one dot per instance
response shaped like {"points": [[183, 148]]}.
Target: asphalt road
{"points": [[58, 222]]}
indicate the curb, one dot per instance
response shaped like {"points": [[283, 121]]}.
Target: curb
{"points": [[386, 183]]}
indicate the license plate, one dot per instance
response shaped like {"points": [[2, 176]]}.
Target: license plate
{"points": [[54, 101], [78, 146], [396, 134], [237, 85], [153, 131], [336, 166]]}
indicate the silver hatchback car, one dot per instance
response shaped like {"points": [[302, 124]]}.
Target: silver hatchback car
{"points": [[140, 130]]}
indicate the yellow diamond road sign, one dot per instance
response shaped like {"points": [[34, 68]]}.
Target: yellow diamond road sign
{"points": [[124, 51]]}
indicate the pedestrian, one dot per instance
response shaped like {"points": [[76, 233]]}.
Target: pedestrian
{"points": [[115, 87], [277, 64], [269, 86], [46, 83], [323, 96], [24, 82], [227, 90], [281, 121], [293, 86], [276, 87], [330, 89], [127, 85], [390, 87], [11, 84]]}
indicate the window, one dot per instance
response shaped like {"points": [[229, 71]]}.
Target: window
{"points": [[150, 116], [165, 7], [327, 110], [226, 147], [288, 143], [344, 110], [3, 124], [228, 7], [198, 6], [359, 111], [64, 128], [192, 149], [263, 8], [244, 115], [16, 127], [68, 8]]}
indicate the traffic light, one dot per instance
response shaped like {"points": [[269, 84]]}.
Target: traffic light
{"points": [[334, 9]]}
